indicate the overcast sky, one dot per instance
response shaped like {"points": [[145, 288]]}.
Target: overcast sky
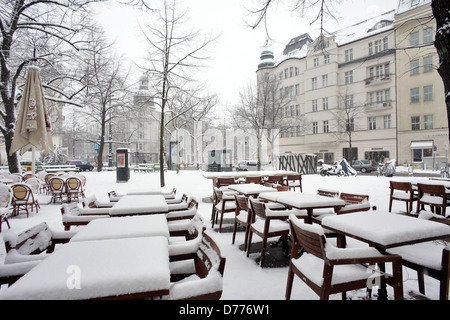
{"points": [[235, 56]]}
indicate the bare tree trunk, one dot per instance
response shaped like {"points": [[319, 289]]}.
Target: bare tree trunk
{"points": [[441, 9]]}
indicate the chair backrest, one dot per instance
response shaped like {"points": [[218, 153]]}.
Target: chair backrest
{"points": [[258, 208], [70, 209], [328, 193], [6, 195], [221, 182], [89, 201], [275, 179], [47, 178], [73, 184], [15, 177], [21, 191], [27, 176], [253, 180], [351, 198], [310, 237], [241, 202], [294, 177], [34, 183], [56, 183], [208, 256], [400, 185], [433, 189], [193, 203], [282, 188], [32, 241]]}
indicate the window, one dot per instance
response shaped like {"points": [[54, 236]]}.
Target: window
{"points": [[372, 123], [297, 71], [286, 73], [350, 125], [314, 105], [315, 127], [314, 83], [325, 103], [297, 110], [415, 123], [385, 43], [428, 35], [349, 77], [298, 131], [414, 67], [415, 95], [348, 55], [414, 38], [428, 93], [349, 101], [326, 59], [325, 80], [291, 89], [427, 64], [297, 89], [291, 71], [428, 122], [326, 128], [316, 62], [387, 121], [370, 48], [378, 44]]}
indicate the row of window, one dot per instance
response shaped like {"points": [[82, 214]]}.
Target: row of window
{"points": [[415, 65], [427, 94], [428, 121]]}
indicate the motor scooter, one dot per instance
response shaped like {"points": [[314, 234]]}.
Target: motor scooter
{"points": [[334, 170]]}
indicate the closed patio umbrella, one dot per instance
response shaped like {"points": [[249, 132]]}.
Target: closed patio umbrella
{"points": [[33, 123]]}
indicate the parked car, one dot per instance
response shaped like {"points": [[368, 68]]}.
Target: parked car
{"points": [[364, 165], [26, 165], [247, 165], [82, 165]]}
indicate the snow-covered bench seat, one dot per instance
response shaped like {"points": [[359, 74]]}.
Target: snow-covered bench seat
{"points": [[73, 215]]}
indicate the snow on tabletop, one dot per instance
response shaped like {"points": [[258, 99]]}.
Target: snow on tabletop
{"points": [[124, 227], [302, 200], [135, 204], [94, 269], [385, 228]]}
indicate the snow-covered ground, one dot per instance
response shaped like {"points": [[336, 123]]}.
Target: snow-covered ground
{"points": [[244, 279]]}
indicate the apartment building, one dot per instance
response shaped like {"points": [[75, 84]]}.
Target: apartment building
{"points": [[343, 86], [422, 117]]}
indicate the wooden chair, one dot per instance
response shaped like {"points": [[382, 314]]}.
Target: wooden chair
{"points": [[256, 180], [27, 249], [266, 227], [329, 270], [207, 281], [433, 195], [6, 196], [283, 188], [22, 198], [73, 215], [57, 188], [183, 198], [402, 191], [223, 182], [74, 189], [242, 217], [186, 228], [328, 193], [187, 213], [354, 203], [274, 180], [293, 181], [225, 204]]}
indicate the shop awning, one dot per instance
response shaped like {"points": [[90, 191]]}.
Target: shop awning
{"points": [[421, 144]]}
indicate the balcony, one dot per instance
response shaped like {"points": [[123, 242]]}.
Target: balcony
{"points": [[375, 106], [376, 80]]}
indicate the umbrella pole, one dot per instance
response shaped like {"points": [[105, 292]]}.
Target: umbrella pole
{"points": [[33, 160]]}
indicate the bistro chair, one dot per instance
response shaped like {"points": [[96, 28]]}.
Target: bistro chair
{"points": [[243, 218], [266, 227], [256, 180], [6, 196], [433, 195], [35, 185], [57, 188], [27, 176], [225, 204], [15, 177], [293, 181], [47, 178], [402, 191], [22, 198], [74, 189], [329, 270], [206, 280]]}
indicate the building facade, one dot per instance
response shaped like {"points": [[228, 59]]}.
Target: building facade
{"points": [[343, 85], [422, 118]]}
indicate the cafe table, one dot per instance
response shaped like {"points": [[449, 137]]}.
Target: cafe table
{"points": [[124, 227], [250, 189], [139, 205], [384, 230], [102, 269], [302, 201]]}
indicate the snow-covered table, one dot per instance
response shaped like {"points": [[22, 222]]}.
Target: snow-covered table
{"points": [[251, 189], [115, 268], [302, 201], [124, 227], [244, 174], [386, 230], [138, 205]]}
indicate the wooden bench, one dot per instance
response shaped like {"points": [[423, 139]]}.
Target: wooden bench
{"points": [[27, 249], [62, 168], [73, 215]]}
